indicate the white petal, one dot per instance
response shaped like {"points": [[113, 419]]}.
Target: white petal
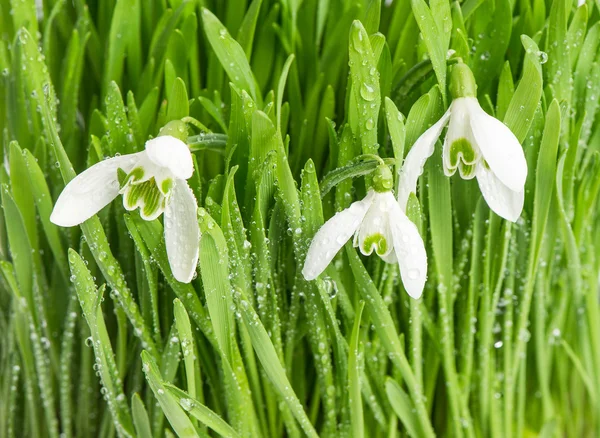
{"points": [[500, 148], [458, 128], [391, 257], [91, 191], [416, 158], [333, 235], [182, 233], [172, 153], [410, 251], [503, 201], [375, 223]]}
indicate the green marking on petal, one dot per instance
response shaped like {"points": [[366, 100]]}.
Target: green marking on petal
{"points": [[467, 171], [152, 204], [133, 195], [136, 174], [147, 197], [376, 241], [166, 185], [462, 150]]}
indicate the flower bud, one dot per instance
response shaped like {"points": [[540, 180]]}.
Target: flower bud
{"points": [[175, 128], [383, 181], [462, 81]]}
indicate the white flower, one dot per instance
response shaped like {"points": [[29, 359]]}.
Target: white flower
{"points": [[155, 182], [476, 144], [377, 223], [479, 146]]}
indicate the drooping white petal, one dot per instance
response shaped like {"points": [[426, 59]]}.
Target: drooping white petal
{"points": [[374, 231], [500, 148], [410, 252], [182, 233], [333, 235], [416, 158], [91, 190], [503, 201], [172, 153]]}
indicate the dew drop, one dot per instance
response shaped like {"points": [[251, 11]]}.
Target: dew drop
{"points": [[367, 92], [413, 273]]}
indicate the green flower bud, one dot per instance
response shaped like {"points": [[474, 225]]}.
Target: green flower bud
{"points": [[383, 181], [175, 128], [462, 81]]}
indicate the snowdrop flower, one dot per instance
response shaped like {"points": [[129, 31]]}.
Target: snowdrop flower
{"points": [[377, 223], [476, 144], [155, 183]]}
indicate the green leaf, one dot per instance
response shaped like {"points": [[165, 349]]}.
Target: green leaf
{"points": [[177, 107], [506, 91], [214, 111], [230, 54], [213, 260], [122, 42], [385, 327], [544, 188], [365, 86], [372, 16], [248, 27], [397, 130], [90, 299], [23, 196], [587, 56], [491, 42], [186, 340], [72, 72], [24, 15], [201, 412], [355, 399], [118, 129], [576, 33], [151, 233], [435, 37], [268, 358], [403, 407], [18, 243], [167, 401], [140, 416], [558, 68], [544, 176], [519, 115], [43, 202]]}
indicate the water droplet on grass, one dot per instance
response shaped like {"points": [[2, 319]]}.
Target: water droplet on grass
{"points": [[367, 92]]}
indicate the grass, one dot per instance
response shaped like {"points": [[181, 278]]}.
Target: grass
{"points": [[286, 103]]}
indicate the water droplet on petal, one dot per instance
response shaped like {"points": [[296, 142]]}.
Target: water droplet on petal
{"points": [[413, 273]]}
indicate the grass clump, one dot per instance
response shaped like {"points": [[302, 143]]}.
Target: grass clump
{"points": [[293, 111]]}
